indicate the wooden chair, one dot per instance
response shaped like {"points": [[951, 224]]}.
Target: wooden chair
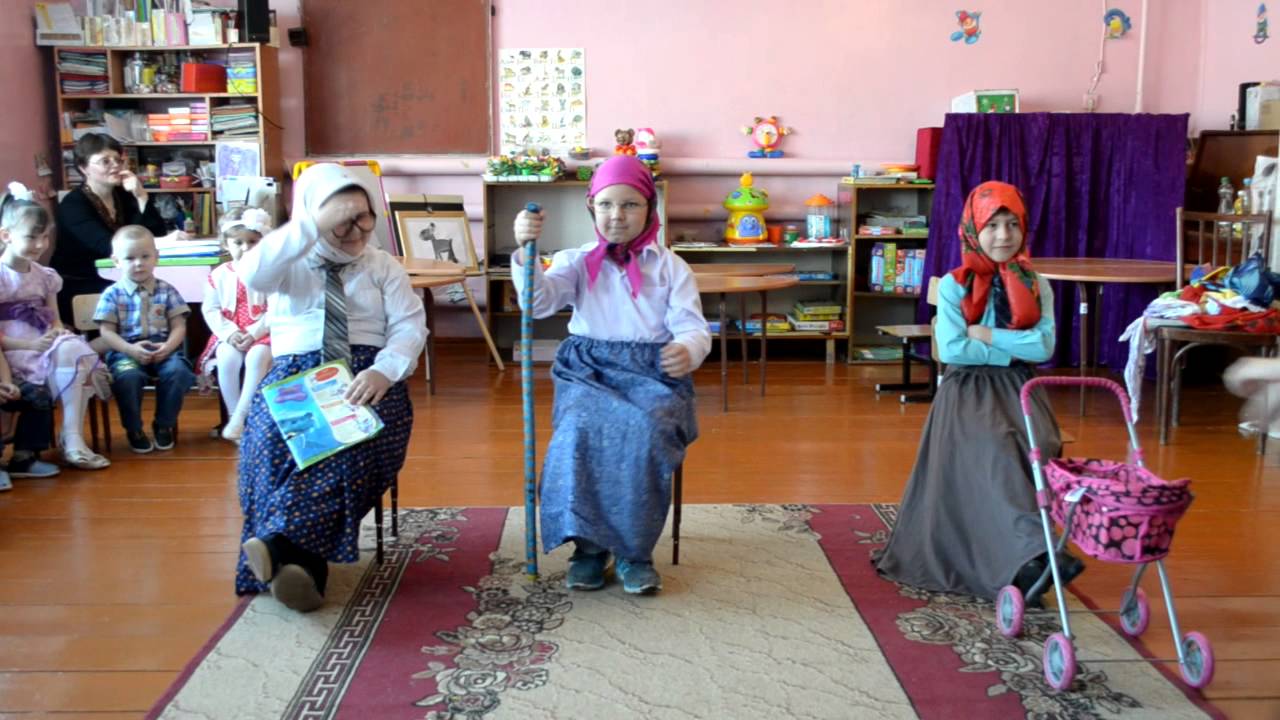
{"points": [[1205, 238], [82, 307], [909, 336]]}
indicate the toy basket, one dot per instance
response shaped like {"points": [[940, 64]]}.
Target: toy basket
{"points": [[1125, 514]]}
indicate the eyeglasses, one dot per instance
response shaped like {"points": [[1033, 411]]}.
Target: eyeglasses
{"points": [[365, 221], [629, 207], [107, 161]]}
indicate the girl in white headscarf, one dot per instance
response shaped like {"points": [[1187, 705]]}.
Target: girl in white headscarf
{"points": [[237, 319], [296, 521]]}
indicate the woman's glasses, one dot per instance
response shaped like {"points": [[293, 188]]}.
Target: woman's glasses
{"points": [[365, 221], [107, 161]]}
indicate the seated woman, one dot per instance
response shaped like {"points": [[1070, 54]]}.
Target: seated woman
{"points": [[968, 522], [110, 198]]}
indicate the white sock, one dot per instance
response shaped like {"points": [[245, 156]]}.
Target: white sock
{"points": [[229, 362], [74, 399]]}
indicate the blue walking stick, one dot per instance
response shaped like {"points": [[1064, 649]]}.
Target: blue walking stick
{"points": [[526, 393]]}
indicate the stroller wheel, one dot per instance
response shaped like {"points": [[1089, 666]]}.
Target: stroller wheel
{"points": [[1135, 613], [1059, 661], [1010, 607], [1197, 662]]}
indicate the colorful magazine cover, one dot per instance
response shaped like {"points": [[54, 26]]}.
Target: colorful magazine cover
{"points": [[313, 417]]}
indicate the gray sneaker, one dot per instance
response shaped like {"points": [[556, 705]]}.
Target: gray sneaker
{"points": [[639, 578], [586, 570], [32, 467], [5, 483]]}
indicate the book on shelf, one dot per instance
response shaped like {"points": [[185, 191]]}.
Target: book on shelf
{"points": [[817, 307], [832, 325], [875, 352], [777, 324]]}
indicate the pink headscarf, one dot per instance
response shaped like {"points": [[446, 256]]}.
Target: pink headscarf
{"points": [[623, 170]]}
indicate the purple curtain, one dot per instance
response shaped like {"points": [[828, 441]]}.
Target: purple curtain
{"points": [[1096, 185]]}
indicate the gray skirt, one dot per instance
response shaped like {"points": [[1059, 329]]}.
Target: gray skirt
{"points": [[968, 519]]}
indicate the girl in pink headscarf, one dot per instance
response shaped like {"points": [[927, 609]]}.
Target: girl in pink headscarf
{"points": [[624, 406]]}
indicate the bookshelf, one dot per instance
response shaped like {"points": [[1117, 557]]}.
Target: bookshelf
{"points": [[138, 118], [869, 307]]}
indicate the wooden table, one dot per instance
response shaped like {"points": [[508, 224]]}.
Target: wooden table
{"points": [[425, 268], [1091, 274], [725, 285], [742, 269]]}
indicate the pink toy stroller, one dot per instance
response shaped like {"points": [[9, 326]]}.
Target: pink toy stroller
{"points": [[1114, 512]]}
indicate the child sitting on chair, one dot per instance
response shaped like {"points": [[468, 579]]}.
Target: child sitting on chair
{"points": [[968, 521], [237, 319], [143, 320], [333, 298], [40, 351], [624, 404]]}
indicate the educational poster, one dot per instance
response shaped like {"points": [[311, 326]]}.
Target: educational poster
{"points": [[542, 99]]}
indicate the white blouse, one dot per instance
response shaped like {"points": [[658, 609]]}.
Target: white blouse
{"points": [[667, 308], [382, 309]]}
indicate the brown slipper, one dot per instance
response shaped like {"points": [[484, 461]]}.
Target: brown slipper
{"points": [[258, 557], [294, 587]]}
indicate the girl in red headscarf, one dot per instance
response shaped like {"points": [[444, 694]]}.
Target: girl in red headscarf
{"points": [[968, 520], [624, 406]]}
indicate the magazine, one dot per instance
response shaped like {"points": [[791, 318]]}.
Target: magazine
{"points": [[313, 417]]}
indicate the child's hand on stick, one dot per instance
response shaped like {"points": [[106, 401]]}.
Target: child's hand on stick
{"points": [[676, 361], [528, 226]]}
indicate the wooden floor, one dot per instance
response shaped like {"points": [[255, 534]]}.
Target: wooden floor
{"points": [[111, 581]]}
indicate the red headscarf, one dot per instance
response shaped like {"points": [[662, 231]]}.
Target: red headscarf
{"points": [[623, 170], [977, 269]]}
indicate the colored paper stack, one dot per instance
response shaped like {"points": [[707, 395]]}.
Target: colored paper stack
{"points": [[242, 72], [235, 120], [180, 124], [83, 73]]}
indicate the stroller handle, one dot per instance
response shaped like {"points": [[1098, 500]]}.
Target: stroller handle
{"points": [[1111, 385]]}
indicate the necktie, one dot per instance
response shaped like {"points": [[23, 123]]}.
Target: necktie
{"points": [[335, 345]]}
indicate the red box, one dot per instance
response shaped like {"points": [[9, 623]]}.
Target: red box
{"points": [[928, 140], [203, 77]]}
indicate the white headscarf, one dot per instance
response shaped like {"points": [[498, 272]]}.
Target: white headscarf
{"points": [[317, 184]]}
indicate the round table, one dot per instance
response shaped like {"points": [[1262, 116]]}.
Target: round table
{"points": [[725, 285], [1091, 274], [742, 269]]}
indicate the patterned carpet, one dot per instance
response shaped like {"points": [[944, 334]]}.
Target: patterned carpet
{"points": [[774, 611]]}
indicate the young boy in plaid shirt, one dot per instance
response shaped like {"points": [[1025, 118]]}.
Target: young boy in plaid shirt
{"points": [[143, 319]]}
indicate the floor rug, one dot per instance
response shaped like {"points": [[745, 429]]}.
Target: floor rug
{"points": [[774, 611]]}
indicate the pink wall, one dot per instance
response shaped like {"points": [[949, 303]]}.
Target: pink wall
{"points": [[1231, 57], [27, 127], [854, 78]]}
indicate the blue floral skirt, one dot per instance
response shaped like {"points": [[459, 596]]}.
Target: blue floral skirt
{"points": [[319, 508], [620, 426]]}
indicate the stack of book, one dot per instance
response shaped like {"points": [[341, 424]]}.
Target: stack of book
{"points": [[210, 247], [821, 316], [896, 271], [777, 324], [83, 73], [180, 124], [235, 120], [242, 72]]}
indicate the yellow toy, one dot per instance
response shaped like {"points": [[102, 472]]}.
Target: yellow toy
{"points": [[766, 133], [746, 207]]}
